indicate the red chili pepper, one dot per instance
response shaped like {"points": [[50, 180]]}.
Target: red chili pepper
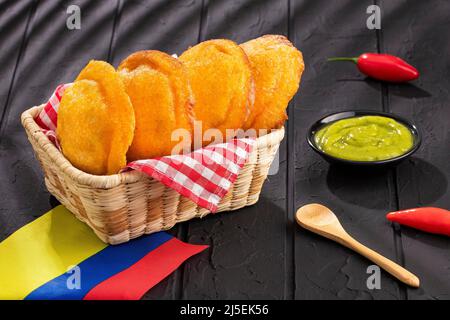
{"points": [[383, 67], [433, 220]]}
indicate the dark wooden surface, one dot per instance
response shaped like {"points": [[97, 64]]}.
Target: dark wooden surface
{"points": [[258, 252]]}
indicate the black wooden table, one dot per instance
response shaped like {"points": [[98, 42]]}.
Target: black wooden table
{"points": [[259, 252]]}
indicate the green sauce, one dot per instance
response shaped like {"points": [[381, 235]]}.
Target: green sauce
{"points": [[366, 138]]}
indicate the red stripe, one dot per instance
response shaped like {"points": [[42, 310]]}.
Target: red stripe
{"points": [[51, 113], [40, 123], [134, 282], [57, 92], [50, 110]]}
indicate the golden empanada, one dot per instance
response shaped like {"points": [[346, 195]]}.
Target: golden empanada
{"points": [[162, 100], [96, 120], [277, 69], [221, 80]]}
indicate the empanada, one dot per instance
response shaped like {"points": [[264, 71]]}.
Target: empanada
{"points": [[221, 79], [96, 120], [277, 69], [162, 100]]}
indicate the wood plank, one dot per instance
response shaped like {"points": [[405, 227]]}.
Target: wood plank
{"points": [[323, 269], [419, 33], [248, 253], [169, 26], [14, 17], [52, 55]]}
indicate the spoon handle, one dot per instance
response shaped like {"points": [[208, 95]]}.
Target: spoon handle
{"points": [[393, 268]]}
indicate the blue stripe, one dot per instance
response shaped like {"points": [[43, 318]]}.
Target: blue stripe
{"points": [[99, 267]]}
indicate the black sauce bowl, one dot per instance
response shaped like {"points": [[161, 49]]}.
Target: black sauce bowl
{"points": [[330, 118]]}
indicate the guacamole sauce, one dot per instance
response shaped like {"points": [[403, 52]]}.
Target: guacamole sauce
{"points": [[366, 138]]}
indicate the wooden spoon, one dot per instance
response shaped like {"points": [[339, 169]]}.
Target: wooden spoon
{"points": [[321, 220]]}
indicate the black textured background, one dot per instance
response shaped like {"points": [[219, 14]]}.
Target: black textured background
{"points": [[258, 252]]}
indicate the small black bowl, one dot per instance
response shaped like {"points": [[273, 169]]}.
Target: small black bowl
{"points": [[359, 113]]}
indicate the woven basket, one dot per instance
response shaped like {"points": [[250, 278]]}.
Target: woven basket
{"points": [[124, 206]]}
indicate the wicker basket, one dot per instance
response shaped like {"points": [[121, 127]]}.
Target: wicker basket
{"points": [[124, 206]]}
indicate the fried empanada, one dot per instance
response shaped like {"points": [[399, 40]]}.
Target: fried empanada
{"points": [[162, 99], [96, 120], [221, 79], [277, 69]]}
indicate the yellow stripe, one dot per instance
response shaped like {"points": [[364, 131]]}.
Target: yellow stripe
{"points": [[43, 250]]}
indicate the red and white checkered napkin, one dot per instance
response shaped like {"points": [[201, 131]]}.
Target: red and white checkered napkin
{"points": [[204, 175], [48, 117]]}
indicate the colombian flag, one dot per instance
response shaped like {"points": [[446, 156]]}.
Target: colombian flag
{"points": [[58, 257]]}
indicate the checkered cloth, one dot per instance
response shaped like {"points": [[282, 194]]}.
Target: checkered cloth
{"points": [[204, 175]]}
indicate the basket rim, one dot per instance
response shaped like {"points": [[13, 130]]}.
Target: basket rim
{"points": [[100, 181]]}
